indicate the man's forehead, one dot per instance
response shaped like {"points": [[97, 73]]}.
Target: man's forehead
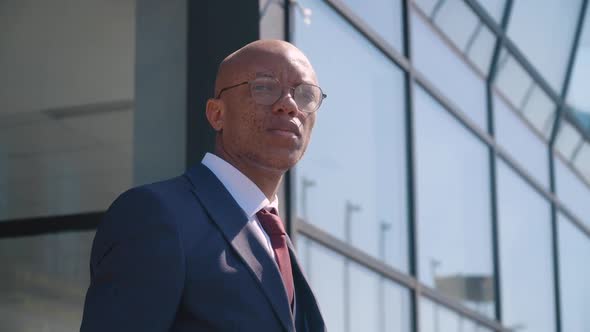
{"points": [[271, 58], [289, 69]]}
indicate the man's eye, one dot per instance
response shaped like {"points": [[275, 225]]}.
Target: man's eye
{"points": [[262, 88]]}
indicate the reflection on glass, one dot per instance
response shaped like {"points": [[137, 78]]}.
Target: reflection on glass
{"points": [[524, 94], [66, 105], [574, 273], [437, 318], [448, 72], [572, 191], [540, 111], [395, 306], [582, 161], [352, 297], [383, 16], [457, 21], [533, 23], [512, 80], [464, 29], [43, 280], [324, 270], [528, 150], [526, 262], [494, 7], [272, 19], [429, 7], [352, 178], [481, 48], [578, 97], [455, 254], [568, 140], [377, 304]]}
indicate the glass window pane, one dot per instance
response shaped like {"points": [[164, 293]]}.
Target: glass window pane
{"points": [[568, 139], [374, 302], [457, 21], [540, 111], [383, 16], [396, 311], [464, 30], [455, 254], [437, 318], [582, 161], [578, 96], [512, 80], [325, 272], [494, 7], [522, 144], [272, 19], [574, 273], [360, 130], [533, 23], [66, 105], [43, 281], [572, 191], [428, 6], [526, 264], [481, 49], [448, 72], [525, 95]]}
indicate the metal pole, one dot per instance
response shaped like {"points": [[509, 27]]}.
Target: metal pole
{"points": [[383, 228], [348, 210]]}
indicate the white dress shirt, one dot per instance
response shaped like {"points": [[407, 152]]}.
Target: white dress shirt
{"points": [[247, 194]]}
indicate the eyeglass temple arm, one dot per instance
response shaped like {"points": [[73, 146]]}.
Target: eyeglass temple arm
{"points": [[229, 87]]}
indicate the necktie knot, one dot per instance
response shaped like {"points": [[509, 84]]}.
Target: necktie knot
{"points": [[271, 222]]}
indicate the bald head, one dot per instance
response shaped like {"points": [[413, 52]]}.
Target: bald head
{"points": [[259, 56], [263, 127]]}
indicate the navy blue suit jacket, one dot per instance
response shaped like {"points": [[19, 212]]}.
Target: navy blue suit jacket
{"points": [[180, 255]]}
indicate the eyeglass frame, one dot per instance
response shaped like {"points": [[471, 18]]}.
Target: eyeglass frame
{"points": [[291, 89]]}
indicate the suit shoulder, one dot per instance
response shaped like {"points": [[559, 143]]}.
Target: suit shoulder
{"points": [[145, 204], [159, 193]]}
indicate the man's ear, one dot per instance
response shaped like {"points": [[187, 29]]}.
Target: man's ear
{"points": [[215, 112]]}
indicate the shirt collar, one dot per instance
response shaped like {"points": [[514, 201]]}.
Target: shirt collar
{"points": [[246, 193]]}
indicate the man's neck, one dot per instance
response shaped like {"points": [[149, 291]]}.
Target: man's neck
{"points": [[267, 180]]}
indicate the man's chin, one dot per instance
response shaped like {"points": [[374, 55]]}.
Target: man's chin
{"points": [[282, 160]]}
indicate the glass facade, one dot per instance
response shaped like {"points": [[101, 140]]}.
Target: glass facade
{"points": [[66, 106], [437, 318], [526, 266], [490, 153], [360, 128], [43, 281], [446, 187], [462, 219], [573, 244]]}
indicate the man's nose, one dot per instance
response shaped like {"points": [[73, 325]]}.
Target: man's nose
{"points": [[286, 104]]}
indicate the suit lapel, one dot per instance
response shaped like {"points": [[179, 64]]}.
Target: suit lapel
{"points": [[233, 224]]}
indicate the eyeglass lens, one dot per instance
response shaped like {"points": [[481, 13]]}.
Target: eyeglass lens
{"points": [[266, 91]]}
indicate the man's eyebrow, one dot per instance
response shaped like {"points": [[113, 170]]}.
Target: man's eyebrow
{"points": [[265, 74]]}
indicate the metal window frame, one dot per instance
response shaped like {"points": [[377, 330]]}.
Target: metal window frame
{"points": [[493, 161], [44, 225], [552, 179]]}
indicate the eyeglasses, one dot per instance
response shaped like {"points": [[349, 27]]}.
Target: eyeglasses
{"points": [[267, 91]]}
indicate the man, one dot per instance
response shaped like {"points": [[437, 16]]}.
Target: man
{"points": [[206, 251]]}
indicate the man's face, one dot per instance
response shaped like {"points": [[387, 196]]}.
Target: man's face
{"points": [[272, 137]]}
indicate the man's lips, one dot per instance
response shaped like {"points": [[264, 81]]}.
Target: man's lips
{"points": [[285, 129]]}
